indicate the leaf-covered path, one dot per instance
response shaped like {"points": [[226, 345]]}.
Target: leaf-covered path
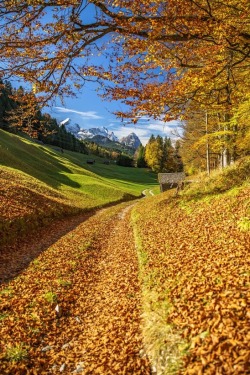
{"points": [[91, 274]]}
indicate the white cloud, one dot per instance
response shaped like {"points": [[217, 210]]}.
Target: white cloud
{"points": [[144, 128], [162, 126], [89, 115]]}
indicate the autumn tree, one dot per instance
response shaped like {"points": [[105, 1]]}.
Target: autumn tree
{"points": [[210, 140], [24, 116], [154, 153], [200, 48], [198, 142], [160, 56], [241, 124], [162, 156], [172, 160]]}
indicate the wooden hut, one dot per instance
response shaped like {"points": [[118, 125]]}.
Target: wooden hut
{"points": [[170, 180]]}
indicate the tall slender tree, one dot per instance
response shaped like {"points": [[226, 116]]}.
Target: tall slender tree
{"points": [[154, 154], [140, 160]]}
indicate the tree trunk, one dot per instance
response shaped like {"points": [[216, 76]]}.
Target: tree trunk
{"points": [[207, 147]]}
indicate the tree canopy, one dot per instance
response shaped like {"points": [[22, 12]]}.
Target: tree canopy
{"points": [[161, 54], [161, 156], [163, 59]]}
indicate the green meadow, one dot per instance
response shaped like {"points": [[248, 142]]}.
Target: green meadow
{"points": [[69, 173], [39, 182]]}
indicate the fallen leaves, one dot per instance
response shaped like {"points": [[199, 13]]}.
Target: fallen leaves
{"points": [[89, 275], [75, 308], [199, 255], [26, 204]]}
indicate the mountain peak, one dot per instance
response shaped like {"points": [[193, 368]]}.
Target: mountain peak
{"points": [[131, 140], [92, 132], [65, 122]]}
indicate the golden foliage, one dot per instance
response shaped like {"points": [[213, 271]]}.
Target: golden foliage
{"points": [[198, 255], [160, 55]]}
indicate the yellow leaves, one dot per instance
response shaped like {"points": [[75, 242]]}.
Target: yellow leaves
{"points": [[206, 279], [199, 43]]}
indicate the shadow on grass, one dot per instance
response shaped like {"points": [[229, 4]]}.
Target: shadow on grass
{"points": [[16, 256], [39, 162], [49, 165], [113, 171]]}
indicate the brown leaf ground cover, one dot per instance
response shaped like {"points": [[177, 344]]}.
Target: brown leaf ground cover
{"points": [[25, 205], [22, 250], [195, 255], [70, 300], [90, 276]]}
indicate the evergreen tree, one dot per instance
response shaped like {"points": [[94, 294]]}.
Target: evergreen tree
{"points": [[124, 160], [161, 156], [169, 163], [141, 162], [151, 139], [6, 103], [177, 157], [58, 136]]}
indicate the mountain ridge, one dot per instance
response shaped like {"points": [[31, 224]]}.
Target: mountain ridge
{"points": [[131, 140]]}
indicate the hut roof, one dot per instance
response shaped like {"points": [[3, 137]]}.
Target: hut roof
{"points": [[165, 178]]}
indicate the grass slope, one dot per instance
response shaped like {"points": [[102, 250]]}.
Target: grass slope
{"points": [[38, 182], [194, 267], [193, 249]]}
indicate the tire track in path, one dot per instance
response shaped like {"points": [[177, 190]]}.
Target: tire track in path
{"points": [[113, 328]]}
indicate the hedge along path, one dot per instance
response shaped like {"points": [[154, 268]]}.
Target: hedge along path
{"points": [[91, 275]]}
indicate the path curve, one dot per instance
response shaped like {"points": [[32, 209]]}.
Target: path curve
{"points": [[144, 192]]}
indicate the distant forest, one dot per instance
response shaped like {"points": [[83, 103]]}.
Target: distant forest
{"points": [[20, 114]]}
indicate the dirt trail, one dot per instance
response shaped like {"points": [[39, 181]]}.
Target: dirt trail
{"points": [[112, 324], [98, 331]]}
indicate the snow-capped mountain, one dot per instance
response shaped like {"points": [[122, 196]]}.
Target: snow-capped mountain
{"points": [[65, 122], [71, 128], [100, 134], [131, 140], [90, 133], [87, 133]]}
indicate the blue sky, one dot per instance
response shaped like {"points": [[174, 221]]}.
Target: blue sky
{"points": [[89, 111]]}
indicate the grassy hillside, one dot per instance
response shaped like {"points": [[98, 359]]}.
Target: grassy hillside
{"points": [[193, 249], [194, 268], [39, 182]]}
